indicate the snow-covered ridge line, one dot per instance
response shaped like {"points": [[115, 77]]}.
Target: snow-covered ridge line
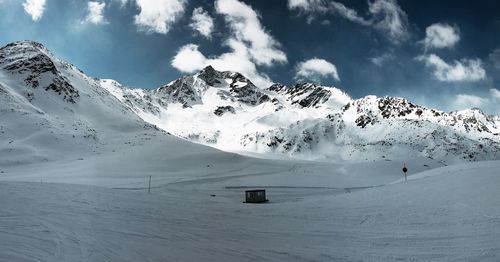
{"points": [[226, 110]]}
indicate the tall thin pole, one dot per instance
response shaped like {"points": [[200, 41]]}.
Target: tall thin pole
{"points": [[149, 187], [404, 171]]}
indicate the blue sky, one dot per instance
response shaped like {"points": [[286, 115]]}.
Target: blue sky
{"points": [[443, 54]]}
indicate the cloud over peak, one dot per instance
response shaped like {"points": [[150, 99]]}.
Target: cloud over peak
{"points": [[189, 59], [34, 8], [249, 43], [488, 102], [466, 70], [315, 69]]}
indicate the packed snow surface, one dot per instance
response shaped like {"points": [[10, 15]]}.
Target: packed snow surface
{"points": [[445, 214]]}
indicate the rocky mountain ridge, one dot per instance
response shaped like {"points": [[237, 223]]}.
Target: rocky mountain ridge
{"points": [[226, 110]]}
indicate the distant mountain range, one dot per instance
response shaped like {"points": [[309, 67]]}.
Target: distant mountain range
{"points": [[227, 111]]}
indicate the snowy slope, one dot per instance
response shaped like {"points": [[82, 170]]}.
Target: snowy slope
{"points": [[57, 123], [446, 214]]}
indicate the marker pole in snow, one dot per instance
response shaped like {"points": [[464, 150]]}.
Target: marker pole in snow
{"points": [[405, 170], [149, 187]]}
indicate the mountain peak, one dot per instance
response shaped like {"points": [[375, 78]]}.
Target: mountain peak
{"points": [[38, 67], [24, 47], [28, 43], [208, 69]]}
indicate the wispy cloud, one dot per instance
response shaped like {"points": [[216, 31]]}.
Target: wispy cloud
{"points": [[388, 17], [463, 101], [487, 103], [384, 15], [381, 59], [494, 58], [467, 70], [95, 13], [34, 8], [308, 5], [247, 29], [495, 94], [202, 22]]}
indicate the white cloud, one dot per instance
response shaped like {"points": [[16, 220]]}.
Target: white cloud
{"points": [[441, 36], [247, 29], [157, 16], [34, 8], [95, 13], [468, 70], [311, 7], [189, 59], [385, 15], [348, 13], [488, 104], [463, 101], [315, 69], [202, 22], [308, 5], [250, 46]]}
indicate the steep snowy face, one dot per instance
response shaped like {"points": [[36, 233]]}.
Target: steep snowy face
{"points": [[307, 95], [49, 110]]}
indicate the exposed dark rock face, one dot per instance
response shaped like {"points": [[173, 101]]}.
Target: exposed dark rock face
{"points": [[33, 61], [188, 90], [306, 95], [181, 91], [224, 109], [211, 76]]}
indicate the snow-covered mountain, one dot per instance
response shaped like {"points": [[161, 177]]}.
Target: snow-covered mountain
{"points": [[43, 96], [51, 112], [227, 111]]}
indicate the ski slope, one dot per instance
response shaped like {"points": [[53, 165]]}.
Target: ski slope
{"points": [[444, 214]]}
